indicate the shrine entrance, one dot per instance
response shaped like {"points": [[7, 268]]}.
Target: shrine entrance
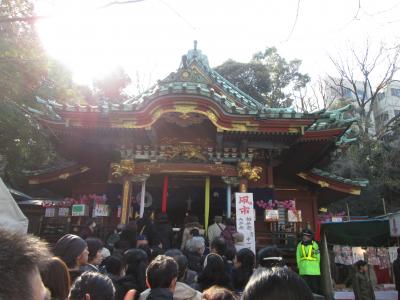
{"points": [[186, 195]]}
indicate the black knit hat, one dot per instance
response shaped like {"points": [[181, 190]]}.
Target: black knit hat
{"points": [[68, 248]]}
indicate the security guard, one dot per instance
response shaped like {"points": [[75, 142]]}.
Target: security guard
{"points": [[308, 261]]}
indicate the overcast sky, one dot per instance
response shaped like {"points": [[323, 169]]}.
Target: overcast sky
{"points": [[148, 38]]}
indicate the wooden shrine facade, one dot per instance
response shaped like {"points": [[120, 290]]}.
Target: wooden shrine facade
{"points": [[192, 125]]}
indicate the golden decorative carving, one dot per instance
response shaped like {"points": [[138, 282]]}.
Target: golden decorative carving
{"points": [[188, 151], [128, 124], [293, 130], [125, 168], [323, 184], [185, 110], [211, 116], [251, 173], [184, 120]]}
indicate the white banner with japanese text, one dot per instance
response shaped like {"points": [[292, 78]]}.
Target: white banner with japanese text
{"points": [[245, 217]]}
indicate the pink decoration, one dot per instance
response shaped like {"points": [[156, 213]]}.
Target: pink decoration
{"points": [[83, 199], [273, 204]]}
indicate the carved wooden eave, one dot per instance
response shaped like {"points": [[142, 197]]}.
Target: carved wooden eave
{"points": [[198, 169], [55, 175], [334, 182]]}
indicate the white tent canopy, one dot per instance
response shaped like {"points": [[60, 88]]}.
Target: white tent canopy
{"points": [[11, 216]]}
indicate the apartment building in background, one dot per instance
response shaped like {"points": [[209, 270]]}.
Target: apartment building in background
{"points": [[387, 106]]}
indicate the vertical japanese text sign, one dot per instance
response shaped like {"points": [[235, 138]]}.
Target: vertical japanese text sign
{"points": [[245, 219]]}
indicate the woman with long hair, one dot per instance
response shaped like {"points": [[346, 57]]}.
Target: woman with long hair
{"points": [[214, 273], [56, 279], [243, 268], [135, 261]]}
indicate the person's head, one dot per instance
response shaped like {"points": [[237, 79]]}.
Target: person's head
{"points": [[217, 219], [230, 222], [218, 246], [113, 265], [245, 259], [194, 232], [173, 252], [276, 284], [196, 245], [238, 237], [190, 219], [73, 250], [156, 251], [128, 235], [94, 286], [91, 223], [214, 272], [182, 263], [361, 266], [306, 235], [218, 293], [269, 257], [145, 248], [20, 257], [162, 272], [55, 277], [135, 260], [95, 246]]}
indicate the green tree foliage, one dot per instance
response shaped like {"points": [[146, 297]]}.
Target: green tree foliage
{"points": [[111, 87], [379, 162], [268, 77], [22, 60], [59, 86], [23, 71]]}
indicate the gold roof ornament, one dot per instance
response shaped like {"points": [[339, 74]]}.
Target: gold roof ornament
{"points": [[246, 170], [124, 168]]}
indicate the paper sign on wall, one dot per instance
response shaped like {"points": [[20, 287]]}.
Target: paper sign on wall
{"points": [[245, 218], [63, 212], [101, 210], [271, 215], [80, 210], [294, 216], [394, 222], [50, 212]]}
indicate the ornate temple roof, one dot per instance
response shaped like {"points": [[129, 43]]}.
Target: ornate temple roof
{"points": [[329, 180]]}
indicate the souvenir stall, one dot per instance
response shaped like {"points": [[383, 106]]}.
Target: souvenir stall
{"points": [[348, 242]]}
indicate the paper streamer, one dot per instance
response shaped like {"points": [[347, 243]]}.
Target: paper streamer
{"points": [[207, 203], [228, 201], [164, 202], [142, 195]]}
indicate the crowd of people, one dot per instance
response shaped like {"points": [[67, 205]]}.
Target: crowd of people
{"points": [[139, 261]]}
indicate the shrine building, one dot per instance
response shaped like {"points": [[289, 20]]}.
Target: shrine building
{"points": [[190, 142]]}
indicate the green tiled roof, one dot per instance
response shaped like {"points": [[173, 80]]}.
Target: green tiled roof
{"points": [[356, 182], [195, 77]]}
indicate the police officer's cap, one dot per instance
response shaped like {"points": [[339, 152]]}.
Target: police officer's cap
{"points": [[307, 232]]}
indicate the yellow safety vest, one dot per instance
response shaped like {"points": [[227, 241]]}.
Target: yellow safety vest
{"points": [[309, 254]]}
